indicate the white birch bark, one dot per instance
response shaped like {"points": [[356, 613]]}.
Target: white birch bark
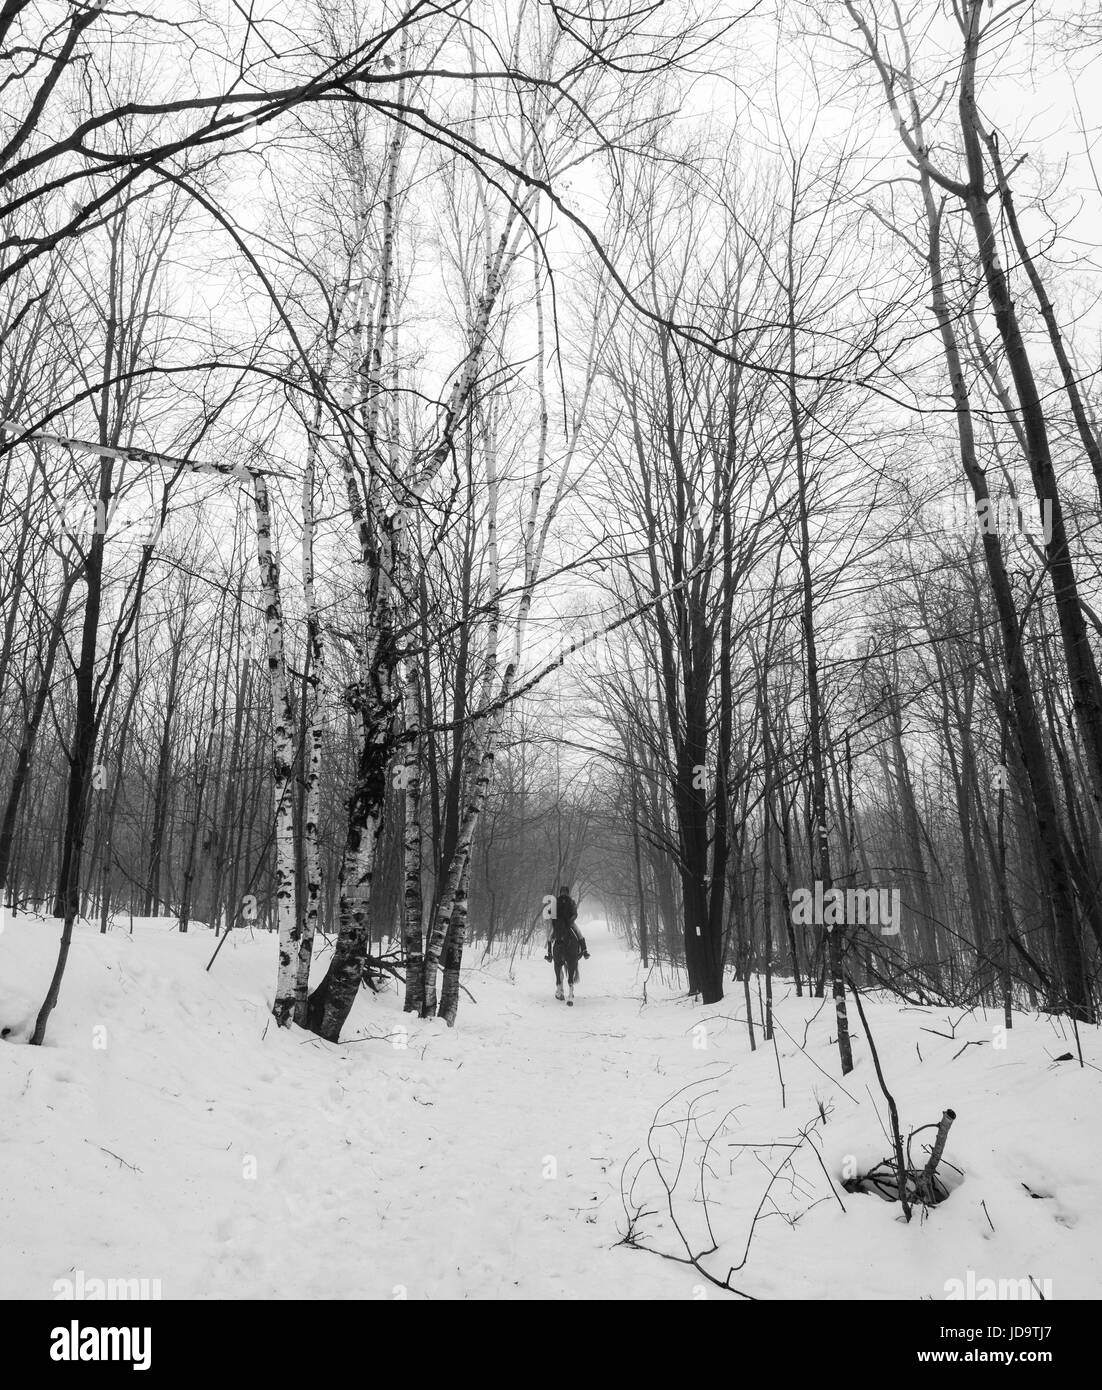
{"points": [[289, 925], [372, 698], [411, 847], [314, 737], [378, 520], [315, 692]]}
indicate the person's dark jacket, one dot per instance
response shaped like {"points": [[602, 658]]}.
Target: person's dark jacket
{"points": [[566, 914]]}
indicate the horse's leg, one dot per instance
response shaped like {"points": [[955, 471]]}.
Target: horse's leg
{"points": [[571, 977], [558, 975]]}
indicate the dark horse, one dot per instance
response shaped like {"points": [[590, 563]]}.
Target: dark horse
{"points": [[566, 950]]}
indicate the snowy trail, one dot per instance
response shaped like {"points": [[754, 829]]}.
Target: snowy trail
{"points": [[170, 1132], [471, 1160], [515, 1128]]}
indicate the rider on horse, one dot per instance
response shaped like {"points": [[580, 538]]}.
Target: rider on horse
{"points": [[565, 943]]}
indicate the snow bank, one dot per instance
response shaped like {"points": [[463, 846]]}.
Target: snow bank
{"points": [[169, 1132]]}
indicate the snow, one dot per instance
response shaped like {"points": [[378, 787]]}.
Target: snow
{"points": [[169, 1131]]}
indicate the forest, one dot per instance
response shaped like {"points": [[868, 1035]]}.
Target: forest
{"points": [[457, 450]]}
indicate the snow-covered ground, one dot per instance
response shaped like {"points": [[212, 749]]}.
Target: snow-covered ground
{"points": [[168, 1131]]}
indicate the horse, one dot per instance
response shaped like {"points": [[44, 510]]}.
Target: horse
{"points": [[566, 950]]}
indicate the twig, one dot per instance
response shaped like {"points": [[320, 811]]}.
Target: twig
{"points": [[766, 1196], [876, 1112], [776, 1053], [1079, 1049], [812, 1019], [897, 1138], [114, 1155], [812, 1060], [826, 1174], [221, 943]]}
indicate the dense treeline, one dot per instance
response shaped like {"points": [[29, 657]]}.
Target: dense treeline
{"points": [[473, 452]]}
